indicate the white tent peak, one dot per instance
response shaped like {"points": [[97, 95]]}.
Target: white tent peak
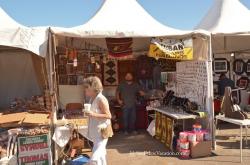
{"points": [[7, 21], [121, 18], [226, 16]]}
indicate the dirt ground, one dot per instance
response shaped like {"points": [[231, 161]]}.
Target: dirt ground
{"points": [[142, 149]]}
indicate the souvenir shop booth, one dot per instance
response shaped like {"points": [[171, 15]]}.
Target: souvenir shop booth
{"points": [[173, 67], [231, 55], [25, 103], [230, 38]]}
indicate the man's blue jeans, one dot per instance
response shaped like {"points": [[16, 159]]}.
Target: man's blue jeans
{"points": [[129, 118]]}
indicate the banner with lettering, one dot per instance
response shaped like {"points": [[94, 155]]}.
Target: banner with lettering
{"points": [[42, 157], [119, 48], [33, 143], [171, 49]]}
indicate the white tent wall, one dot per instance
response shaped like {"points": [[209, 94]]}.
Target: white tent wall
{"points": [[21, 76], [230, 43]]}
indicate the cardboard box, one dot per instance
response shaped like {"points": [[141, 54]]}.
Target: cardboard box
{"points": [[36, 118], [201, 149], [30, 144], [12, 118], [42, 157]]}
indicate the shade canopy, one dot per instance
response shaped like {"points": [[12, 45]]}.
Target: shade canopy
{"points": [[16, 35], [120, 18], [226, 16], [228, 21]]}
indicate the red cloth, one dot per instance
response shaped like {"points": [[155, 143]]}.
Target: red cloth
{"points": [[119, 47], [217, 104]]}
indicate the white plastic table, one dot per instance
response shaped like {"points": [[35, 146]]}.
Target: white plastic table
{"points": [[173, 113], [241, 123]]}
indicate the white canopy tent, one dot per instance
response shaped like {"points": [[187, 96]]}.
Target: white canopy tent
{"points": [[119, 19], [127, 18], [228, 21], [22, 71]]}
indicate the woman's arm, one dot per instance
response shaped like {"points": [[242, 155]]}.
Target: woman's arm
{"points": [[104, 108]]}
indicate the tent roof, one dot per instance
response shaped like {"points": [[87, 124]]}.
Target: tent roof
{"points": [[226, 16], [120, 18], [7, 21], [16, 35]]}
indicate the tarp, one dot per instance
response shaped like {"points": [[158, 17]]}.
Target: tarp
{"points": [[13, 34], [228, 21]]}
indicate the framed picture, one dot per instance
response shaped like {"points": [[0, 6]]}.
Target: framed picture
{"points": [[63, 80], [243, 84], [239, 66], [71, 69], [62, 70], [62, 59], [236, 95], [80, 68], [80, 79], [220, 65], [248, 67], [72, 80]]}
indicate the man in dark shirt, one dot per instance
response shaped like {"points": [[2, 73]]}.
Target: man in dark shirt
{"points": [[126, 96], [223, 83]]}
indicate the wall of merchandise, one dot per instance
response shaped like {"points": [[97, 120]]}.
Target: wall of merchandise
{"points": [[192, 81], [73, 67]]}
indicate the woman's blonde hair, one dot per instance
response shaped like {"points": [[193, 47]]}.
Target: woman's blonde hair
{"points": [[93, 82]]}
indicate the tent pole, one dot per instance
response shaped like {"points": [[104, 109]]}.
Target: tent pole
{"points": [[211, 93]]}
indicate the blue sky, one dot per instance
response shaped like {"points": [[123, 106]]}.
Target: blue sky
{"points": [[182, 14]]}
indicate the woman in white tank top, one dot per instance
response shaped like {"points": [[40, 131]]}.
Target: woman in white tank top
{"points": [[99, 118]]}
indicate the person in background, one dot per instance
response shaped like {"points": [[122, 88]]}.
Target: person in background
{"points": [[223, 83], [98, 117], [126, 96]]}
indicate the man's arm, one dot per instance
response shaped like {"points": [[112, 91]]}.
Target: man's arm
{"points": [[117, 95], [140, 91]]}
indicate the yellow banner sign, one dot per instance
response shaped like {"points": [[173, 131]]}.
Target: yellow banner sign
{"points": [[171, 49]]}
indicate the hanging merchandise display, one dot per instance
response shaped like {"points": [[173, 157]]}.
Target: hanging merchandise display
{"points": [[239, 66], [110, 73], [192, 81], [171, 49], [120, 48], [75, 65]]}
